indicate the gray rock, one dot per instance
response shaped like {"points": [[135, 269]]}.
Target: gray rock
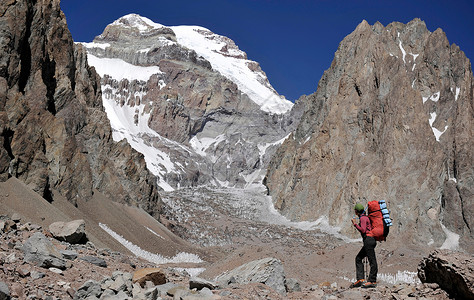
{"points": [[95, 261], [16, 218], [292, 285], [267, 270], [151, 294], [200, 283], [164, 288], [39, 251], [69, 254], [37, 275], [90, 288], [72, 232], [4, 291], [452, 271]]}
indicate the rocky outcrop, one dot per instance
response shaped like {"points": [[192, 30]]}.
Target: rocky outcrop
{"points": [[40, 251], [194, 124], [452, 271], [268, 271], [392, 119], [54, 133], [72, 232]]}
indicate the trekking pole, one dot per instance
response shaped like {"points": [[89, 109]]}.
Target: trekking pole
{"points": [[366, 260]]}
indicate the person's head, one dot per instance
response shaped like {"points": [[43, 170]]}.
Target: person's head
{"points": [[359, 209]]}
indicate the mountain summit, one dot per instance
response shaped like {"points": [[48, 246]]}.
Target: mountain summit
{"points": [[190, 101]]}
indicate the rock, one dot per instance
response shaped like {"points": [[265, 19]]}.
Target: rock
{"points": [[37, 275], [9, 225], [39, 251], [55, 106], [72, 232], [23, 271], [267, 270], [199, 283], [69, 254], [155, 275], [56, 270], [16, 218], [356, 127], [178, 292], [95, 261], [452, 271], [164, 288], [90, 288], [4, 291], [292, 285]]}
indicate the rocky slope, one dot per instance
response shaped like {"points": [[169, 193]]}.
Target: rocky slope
{"points": [[54, 133], [392, 119], [190, 101]]}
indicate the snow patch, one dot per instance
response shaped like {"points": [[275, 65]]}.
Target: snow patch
{"points": [[158, 259], [151, 230], [119, 69], [96, 45], [191, 271], [452, 239], [435, 97], [458, 90], [437, 133], [403, 50], [233, 66], [400, 277]]}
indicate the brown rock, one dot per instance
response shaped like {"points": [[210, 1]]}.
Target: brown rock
{"points": [[154, 275], [54, 131], [72, 232], [452, 271], [366, 135]]}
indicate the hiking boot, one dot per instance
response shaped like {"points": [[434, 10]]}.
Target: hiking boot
{"points": [[358, 283], [369, 285]]}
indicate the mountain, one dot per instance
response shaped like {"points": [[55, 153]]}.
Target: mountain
{"points": [[190, 101], [54, 132], [392, 119]]}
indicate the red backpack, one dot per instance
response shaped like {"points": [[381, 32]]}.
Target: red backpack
{"points": [[380, 227]]}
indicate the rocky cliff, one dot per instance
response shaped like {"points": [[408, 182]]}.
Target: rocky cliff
{"points": [[392, 119], [54, 133], [189, 100]]}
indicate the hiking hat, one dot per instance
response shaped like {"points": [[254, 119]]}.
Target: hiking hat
{"points": [[359, 207]]}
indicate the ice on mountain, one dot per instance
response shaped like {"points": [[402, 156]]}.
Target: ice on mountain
{"points": [[119, 69]]}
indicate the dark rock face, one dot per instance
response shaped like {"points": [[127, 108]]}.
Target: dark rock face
{"points": [[392, 119], [54, 133], [452, 271]]}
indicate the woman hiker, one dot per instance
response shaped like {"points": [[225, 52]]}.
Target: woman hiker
{"points": [[368, 250]]}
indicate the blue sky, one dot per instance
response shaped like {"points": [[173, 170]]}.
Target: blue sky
{"points": [[294, 41]]}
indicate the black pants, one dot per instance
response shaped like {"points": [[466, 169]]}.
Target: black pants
{"points": [[367, 251]]}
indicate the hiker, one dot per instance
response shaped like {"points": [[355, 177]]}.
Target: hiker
{"points": [[368, 250]]}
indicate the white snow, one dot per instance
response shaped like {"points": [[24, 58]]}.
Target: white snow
{"points": [[181, 257], [413, 68], [191, 271], [254, 84], [425, 99], [435, 97], [136, 21], [123, 125], [151, 230], [437, 133], [96, 45], [400, 277], [403, 51], [413, 85], [201, 145], [457, 93], [119, 69], [452, 239], [414, 56]]}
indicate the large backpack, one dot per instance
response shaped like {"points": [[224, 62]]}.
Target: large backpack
{"points": [[380, 221]]}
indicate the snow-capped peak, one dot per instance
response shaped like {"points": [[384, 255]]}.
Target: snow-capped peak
{"points": [[224, 56], [136, 21]]}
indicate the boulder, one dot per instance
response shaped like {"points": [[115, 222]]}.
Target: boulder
{"points": [[4, 291], [452, 271], [154, 275], [268, 271], [292, 285], [39, 251], [90, 288], [72, 232], [95, 261], [199, 284]]}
